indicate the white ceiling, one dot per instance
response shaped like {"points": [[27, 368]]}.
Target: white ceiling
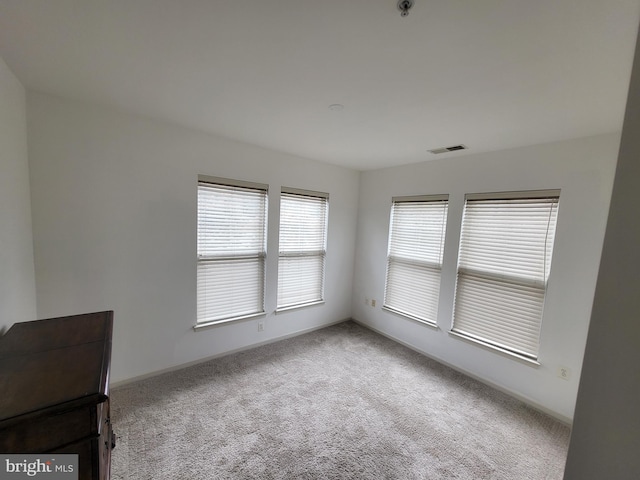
{"points": [[491, 74]]}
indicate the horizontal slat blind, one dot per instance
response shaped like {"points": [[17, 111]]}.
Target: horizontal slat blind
{"points": [[300, 280], [231, 220], [303, 230], [503, 267], [231, 251], [416, 248], [413, 290], [302, 223], [230, 288]]}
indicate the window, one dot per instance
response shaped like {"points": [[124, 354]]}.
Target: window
{"points": [[414, 262], [303, 232], [503, 268], [231, 249]]}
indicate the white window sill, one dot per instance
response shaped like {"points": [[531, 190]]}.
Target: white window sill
{"points": [[224, 321], [526, 360], [410, 317], [302, 305]]}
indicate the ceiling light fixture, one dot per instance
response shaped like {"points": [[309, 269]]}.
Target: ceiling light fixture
{"points": [[336, 107], [404, 6]]}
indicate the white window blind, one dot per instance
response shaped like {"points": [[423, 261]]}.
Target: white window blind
{"points": [[503, 267], [414, 262], [303, 231], [231, 250]]}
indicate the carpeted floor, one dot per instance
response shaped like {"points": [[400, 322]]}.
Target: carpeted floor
{"points": [[338, 403]]}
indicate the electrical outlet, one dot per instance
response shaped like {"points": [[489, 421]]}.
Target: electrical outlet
{"points": [[261, 326], [373, 302], [564, 372]]}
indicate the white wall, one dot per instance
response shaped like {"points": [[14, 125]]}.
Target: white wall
{"points": [[17, 282], [605, 439], [583, 170], [114, 219]]}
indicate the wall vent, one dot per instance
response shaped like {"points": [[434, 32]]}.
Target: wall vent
{"points": [[448, 149]]}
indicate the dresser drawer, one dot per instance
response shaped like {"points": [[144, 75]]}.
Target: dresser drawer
{"points": [[41, 433], [94, 454]]}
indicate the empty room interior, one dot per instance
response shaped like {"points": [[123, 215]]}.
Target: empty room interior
{"points": [[129, 128]]}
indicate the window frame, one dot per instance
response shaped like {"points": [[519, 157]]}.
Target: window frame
{"points": [[292, 255], [441, 199], [260, 256]]}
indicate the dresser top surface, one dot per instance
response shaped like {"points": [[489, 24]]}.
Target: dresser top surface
{"points": [[47, 364]]}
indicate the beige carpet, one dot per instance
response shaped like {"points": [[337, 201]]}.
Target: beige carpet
{"points": [[338, 403]]}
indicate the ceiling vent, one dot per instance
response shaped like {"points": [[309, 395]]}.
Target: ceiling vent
{"points": [[448, 149]]}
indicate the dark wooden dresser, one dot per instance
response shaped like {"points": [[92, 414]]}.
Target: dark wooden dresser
{"points": [[54, 390]]}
